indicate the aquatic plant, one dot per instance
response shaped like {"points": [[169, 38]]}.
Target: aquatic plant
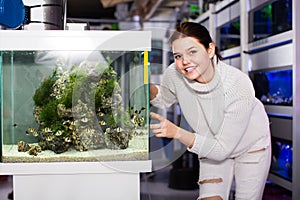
{"points": [[82, 108], [41, 96]]}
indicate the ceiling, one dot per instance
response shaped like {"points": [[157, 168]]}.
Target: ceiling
{"points": [[104, 11]]}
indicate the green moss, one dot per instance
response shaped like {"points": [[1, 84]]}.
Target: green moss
{"points": [[66, 99], [106, 86], [49, 113], [109, 87], [42, 94], [57, 127]]}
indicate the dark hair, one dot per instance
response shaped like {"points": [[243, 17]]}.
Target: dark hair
{"points": [[197, 31]]}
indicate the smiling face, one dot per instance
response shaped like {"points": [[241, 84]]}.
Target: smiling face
{"points": [[193, 60]]}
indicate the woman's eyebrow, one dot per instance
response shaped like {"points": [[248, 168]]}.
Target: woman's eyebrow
{"points": [[192, 47], [188, 49]]}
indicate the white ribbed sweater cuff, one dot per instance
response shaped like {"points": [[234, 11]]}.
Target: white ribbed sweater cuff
{"points": [[198, 144]]}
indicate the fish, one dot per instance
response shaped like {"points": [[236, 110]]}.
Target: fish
{"points": [[30, 129], [102, 123], [35, 133]]}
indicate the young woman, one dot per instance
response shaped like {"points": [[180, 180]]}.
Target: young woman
{"points": [[231, 133]]}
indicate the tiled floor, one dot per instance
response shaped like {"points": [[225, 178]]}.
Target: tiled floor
{"points": [[156, 188], [274, 192]]}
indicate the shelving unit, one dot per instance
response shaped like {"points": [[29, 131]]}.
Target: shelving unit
{"points": [[274, 52]]}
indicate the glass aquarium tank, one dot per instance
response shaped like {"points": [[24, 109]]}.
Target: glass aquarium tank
{"points": [[282, 158], [273, 86], [74, 96], [229, 34], [271, 19]]}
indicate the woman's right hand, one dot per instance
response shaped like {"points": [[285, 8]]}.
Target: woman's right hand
{"points": [[165, 128]]}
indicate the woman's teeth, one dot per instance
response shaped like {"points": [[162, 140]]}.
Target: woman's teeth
{"points": [[189, 69]]}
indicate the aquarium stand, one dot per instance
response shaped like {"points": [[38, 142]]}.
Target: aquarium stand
{"points": [[77, 181]]}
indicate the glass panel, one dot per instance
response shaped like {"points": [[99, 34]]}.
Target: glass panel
{"points": [[63, 106], [272, 19], [274, 86], [282, 158], [156, 57], [230, 35], [205, 6]]}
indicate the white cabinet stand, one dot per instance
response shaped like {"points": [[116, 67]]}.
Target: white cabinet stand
{"points": [[77, 181]]}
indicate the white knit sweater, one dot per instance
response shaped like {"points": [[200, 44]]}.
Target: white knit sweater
{"points": [[225, 115]]}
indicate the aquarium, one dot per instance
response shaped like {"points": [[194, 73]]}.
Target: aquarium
{"points": [[74, 96], [274, 86], [271, 19], [282, 158], [229, 34]]}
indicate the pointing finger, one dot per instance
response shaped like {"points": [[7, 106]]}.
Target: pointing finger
{"points": [[155, 126], [156, 117]]}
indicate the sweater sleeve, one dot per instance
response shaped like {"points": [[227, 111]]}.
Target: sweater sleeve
{"points": [[238, 110], [166, 91]]}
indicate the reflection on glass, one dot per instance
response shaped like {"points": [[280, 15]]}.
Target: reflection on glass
{"points": [[230, 35], [271, 19]]}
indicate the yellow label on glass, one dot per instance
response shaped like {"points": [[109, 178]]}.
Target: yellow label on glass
{"points": [[146, 67]]}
